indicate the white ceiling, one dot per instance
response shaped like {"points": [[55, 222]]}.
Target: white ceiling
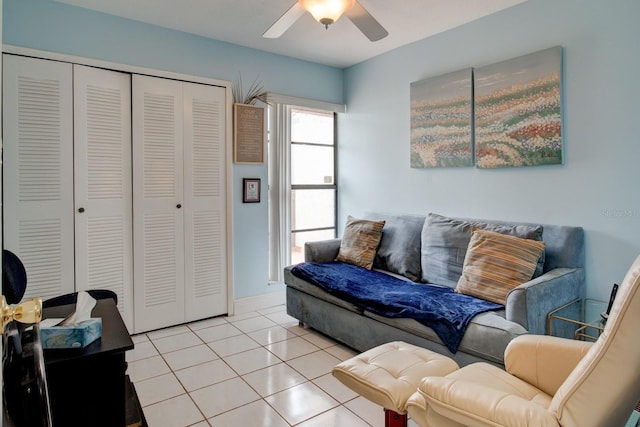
{"points": [[243, 22]]}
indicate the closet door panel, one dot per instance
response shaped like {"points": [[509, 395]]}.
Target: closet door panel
{"points": [[103, 195], [205, 202], [38, 172], [158, 225]]}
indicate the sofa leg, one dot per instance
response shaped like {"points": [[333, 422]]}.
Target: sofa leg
{"points": [[394, 419]]}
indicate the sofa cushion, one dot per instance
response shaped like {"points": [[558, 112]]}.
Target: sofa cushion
{"points": [[487, 334], [399, 250], [445, 241], [308, 288], [496, 263], [360, 242]]}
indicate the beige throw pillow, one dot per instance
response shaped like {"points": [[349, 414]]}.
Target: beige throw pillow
{"points": [[360, 242], [496, 263]]}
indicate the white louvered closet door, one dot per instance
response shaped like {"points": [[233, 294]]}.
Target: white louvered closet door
{"points": [[103, 198], [38, 172], [158, 224], [205, 201]]}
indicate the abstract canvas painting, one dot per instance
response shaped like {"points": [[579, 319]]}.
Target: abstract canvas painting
{"points": [[441, 121], [518, 111]]}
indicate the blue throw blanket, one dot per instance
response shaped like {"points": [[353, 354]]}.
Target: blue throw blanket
{"points": [[446, 312]]}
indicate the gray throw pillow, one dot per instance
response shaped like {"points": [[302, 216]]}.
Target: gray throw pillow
{"points": [[445, 241], [399, 250]]}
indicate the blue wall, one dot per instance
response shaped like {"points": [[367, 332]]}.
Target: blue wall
{"points": [[56, 27], [596, 188]]}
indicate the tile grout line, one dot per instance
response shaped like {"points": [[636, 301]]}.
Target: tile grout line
{"points": [[226, 321]]}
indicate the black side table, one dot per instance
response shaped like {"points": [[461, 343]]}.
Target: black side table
{"points": [[87, 386]]}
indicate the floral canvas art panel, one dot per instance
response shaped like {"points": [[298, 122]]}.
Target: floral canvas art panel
{"points": [[518, 111], [441, 113]]}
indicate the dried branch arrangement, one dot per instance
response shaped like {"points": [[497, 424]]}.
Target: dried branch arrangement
{"points": [[255, 93]]}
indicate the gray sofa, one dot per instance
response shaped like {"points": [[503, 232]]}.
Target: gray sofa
{"points": [[416, 247]]}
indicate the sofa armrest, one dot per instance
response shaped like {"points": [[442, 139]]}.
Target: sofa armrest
{"points": [[530, 303], [322, 250], [544, 361]]}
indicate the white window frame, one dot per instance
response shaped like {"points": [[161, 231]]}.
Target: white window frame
{"points": [[279, 171]]}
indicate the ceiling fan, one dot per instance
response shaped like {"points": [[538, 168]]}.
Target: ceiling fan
{"points": [[327, 12]]}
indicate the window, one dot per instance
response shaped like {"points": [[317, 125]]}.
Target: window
{"points": [[302, 182], [313, 188]]}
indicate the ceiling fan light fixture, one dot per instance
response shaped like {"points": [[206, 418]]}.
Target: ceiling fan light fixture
{"points": [[326, 12]]}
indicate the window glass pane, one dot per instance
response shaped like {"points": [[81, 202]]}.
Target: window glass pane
{"points": [[299, 239], [311, 164], [312, 209], [313, 127]]}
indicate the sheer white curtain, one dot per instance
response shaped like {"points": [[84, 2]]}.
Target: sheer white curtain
{"points": [[279, 185]]}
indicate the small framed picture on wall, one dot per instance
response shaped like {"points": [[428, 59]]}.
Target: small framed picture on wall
{"points": [[250, 190]]}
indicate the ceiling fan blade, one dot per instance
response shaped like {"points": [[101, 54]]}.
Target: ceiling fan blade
{"points": [[285, 21], [365, 22]]}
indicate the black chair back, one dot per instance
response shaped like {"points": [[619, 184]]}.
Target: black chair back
{"points": [[14, 277]]}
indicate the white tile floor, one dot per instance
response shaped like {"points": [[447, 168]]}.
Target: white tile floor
{"points": [[256, 369]]}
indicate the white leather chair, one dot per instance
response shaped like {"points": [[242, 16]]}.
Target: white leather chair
{"points": [[548, 381]]}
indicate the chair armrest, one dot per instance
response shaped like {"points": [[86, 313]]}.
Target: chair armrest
{"points": [[530, 303], [322, 250], [471, 403], [542, 360]]}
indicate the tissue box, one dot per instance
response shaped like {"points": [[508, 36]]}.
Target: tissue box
{"points": [[76, 336]]}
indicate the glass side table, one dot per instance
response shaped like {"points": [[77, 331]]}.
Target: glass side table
{"points": [[579, 319]]}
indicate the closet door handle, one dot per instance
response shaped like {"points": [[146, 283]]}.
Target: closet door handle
{"points": [[178, 206], [80, 210]]}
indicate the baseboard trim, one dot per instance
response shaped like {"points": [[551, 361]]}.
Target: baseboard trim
{"points": [[259, 302]]}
